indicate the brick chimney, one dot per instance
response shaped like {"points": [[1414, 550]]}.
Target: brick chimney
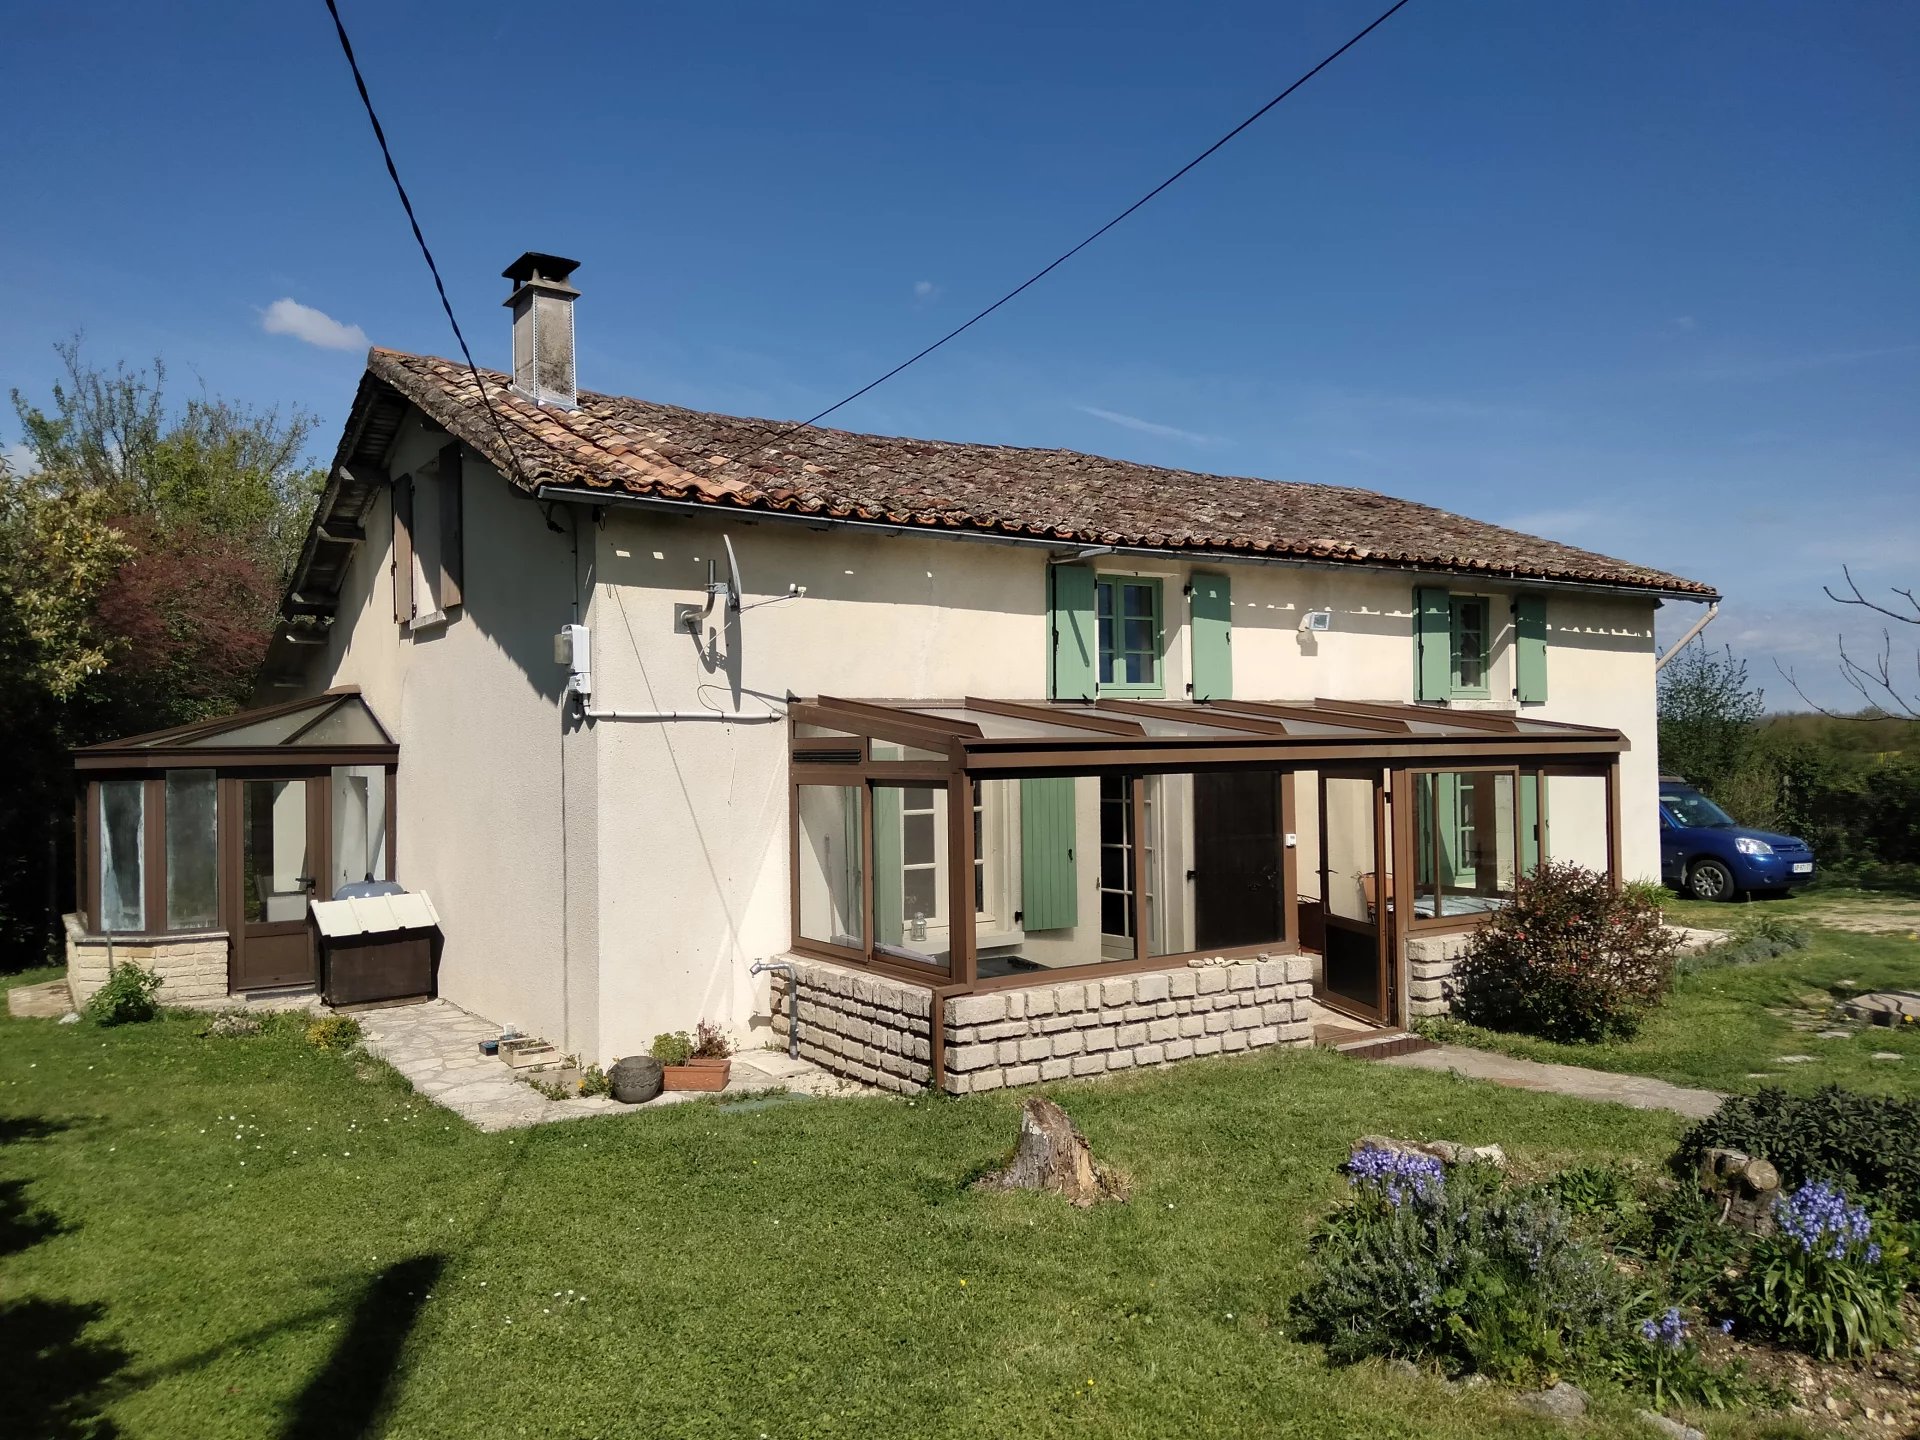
{"points": [[542, 305]]}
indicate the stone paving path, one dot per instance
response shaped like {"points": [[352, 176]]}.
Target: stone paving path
{"points": [[436, 1046], [48, 1000], [1639, 1091]]}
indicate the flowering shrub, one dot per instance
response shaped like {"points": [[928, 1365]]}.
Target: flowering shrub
{"points": [[1457, 1269], [334, 1032], [1822, 1282], [1868, 1144], [1666, 1362], [1570, 959]]}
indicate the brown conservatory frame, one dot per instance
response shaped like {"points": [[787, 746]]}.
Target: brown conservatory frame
{"points": [[1107, 737]]}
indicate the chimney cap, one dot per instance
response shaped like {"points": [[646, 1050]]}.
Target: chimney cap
{"points": [[537, 266]]}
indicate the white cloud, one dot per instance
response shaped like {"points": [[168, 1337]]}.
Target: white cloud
{"points": [[1780, 366], [316, 327], [925, 291], [1555, 524], [1685, 322], [1149, 427], [17, 458]]}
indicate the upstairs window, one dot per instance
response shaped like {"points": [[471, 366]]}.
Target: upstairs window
{"points": [[1127, 611], [1470, 644]]}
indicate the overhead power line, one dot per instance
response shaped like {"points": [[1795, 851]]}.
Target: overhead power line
{"points": [[1067, 255], [380, 134]]}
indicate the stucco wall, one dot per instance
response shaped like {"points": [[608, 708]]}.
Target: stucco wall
{"points": [[475, 707]]}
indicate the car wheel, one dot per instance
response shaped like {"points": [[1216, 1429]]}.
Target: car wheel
{"points": [[1710, 880]]}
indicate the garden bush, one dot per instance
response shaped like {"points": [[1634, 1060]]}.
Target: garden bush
{"points": [[1766, 938], [127, 998], [1457, 1269], [710, 1043], [1868, 1144], [1570, 959], [674, 1047], [1823, 1282]]}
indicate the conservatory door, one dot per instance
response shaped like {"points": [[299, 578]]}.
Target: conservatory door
{"points": [[280, 850]]}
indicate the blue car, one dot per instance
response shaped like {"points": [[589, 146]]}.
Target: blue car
{"points": [[1706, 854]]}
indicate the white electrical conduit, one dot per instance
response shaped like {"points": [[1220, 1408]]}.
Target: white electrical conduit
{"points": [[1680, 644], [766, 719]]}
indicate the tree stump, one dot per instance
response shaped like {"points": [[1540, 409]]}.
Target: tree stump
{"points": [[1744, 1185], [1052, 1155]]}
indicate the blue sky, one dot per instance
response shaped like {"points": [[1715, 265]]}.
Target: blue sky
{"points": [[1643, 277]]}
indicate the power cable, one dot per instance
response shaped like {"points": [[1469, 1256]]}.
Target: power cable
{"points": [[380, 134], [1067, 255]]}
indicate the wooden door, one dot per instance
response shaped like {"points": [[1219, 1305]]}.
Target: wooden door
{"points": [[278, 851], [1238, 897]]}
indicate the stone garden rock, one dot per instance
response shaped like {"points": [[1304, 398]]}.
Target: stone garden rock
{"points": [[1886, 1007], [1564, 1401], [1447, 1152], [229, 1025], [1668, 1426]]}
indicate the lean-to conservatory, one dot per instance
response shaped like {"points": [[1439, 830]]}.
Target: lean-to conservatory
{"points": [[200, 847], [1334, 850]]}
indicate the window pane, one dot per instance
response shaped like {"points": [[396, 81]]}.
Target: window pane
{"points": [[193, 859], [1576, 821], [1140, 636], [1057, 865], [893, 750], [1137, 601], [273, 851], [829, 865], [1464, 861], [1215, 861], [359, 825], [1103, 599], [911, 875], [1139, 669], [123, 874]]}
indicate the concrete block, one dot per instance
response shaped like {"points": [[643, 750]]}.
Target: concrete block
{"points": [[1217, 1022], [1299, 970], [1263, 1035], [1149, 989], [1207, 1045], [1089, 1064], [1158, 1030], [1212, 980], [1179, 1049], [1022, 1075], [1182, 983], [971, 1057], [1055, 1069], [1070, 1042], [976, 1009], [1101, 1037], [1016, 1004], [1298, 1033], [1035, 1047], [1191, 1025], [1117, 992], [1233, 1040], [1120, 1060], [1129, 1036], [1069, 997], [989, 1080], [1149, 1054], [1240, 977], [1040, 1002], [1270, 972]]}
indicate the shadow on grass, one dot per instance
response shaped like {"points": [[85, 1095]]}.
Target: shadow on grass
{"points": [[22, 1223], [345, 1399], [29, 1127], [54, 1378]]}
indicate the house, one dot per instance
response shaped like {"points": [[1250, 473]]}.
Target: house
{"points": [[1010, 763]]}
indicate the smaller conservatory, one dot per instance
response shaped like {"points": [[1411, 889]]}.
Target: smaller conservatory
{"points": [[201, 848]]}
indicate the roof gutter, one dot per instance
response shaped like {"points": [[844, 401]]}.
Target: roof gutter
{"points": [[1070, 548]]}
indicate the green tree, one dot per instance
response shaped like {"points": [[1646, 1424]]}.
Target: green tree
{"points": [[143, 552], [1707, 716]]}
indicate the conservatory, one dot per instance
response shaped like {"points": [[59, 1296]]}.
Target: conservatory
{"points": [[976, 848], [200, 847]]}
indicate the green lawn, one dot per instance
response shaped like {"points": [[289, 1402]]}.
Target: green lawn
{"points": [[1720, 1028], [252, 1238]]}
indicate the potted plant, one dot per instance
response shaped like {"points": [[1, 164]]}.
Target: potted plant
{"points": [[694, 1062]]}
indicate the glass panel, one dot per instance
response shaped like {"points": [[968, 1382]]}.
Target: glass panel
{"points": [[1465, 825], [1469, 643], [1351, 890], [123, 871], [193, 851], [274, 730], [273, 851], [350, 723], [359, 826], [821, 732], [910, 873], [1055, 880], [829, 865], [892, 750], [1576, 821], [1215, 861]]}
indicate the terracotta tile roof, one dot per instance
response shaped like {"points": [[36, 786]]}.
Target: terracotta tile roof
{"points": [[616, 444]]}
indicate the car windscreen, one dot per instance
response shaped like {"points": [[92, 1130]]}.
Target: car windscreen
{"points": [[1691, 808]]}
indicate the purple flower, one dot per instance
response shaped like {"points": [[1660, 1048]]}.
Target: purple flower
{"points": [[1818, 1216], [1726, 1326], [1669, 1331], [1399, 1175]]}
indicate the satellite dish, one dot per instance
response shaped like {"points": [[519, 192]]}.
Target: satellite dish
{"points": [[728, 589], [736, 586]]}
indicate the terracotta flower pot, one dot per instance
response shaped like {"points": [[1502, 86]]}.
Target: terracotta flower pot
{"points": [[699, 1073]]}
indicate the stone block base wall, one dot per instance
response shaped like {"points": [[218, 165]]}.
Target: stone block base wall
{"points": [[194, 966], [1430, 963], [877, 1030], [867, 1027]]}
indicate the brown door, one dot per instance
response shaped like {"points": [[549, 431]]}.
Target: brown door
{"points": [[279, 850], [1355, 893], [1237, 894]]}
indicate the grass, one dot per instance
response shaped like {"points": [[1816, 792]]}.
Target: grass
{"points": [[1726, 1029], [250, 1237]]}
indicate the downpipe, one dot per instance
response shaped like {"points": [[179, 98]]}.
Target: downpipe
{"points": [[793, 1000]]}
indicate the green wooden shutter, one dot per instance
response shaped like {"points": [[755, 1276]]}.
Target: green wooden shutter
{"points": [[1212, 610], [1049, 896], [888, 878], [1529, 824], [1073, 644], [1456, 868], [1432, 644], [1530, 650]]}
